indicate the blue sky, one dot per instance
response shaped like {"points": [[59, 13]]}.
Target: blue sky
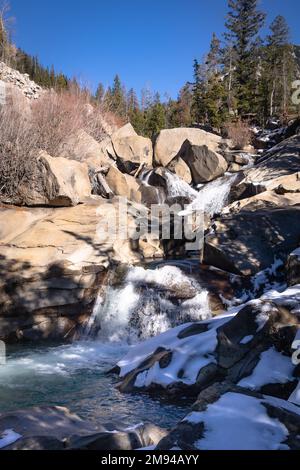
{"points": [[147, 42]]}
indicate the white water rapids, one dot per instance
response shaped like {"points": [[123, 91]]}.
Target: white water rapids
{"points": [[149, 302]]}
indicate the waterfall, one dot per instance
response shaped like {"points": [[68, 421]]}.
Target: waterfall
{"points": [[212, 197], [177, 187], [147, 303], [144, 178]]}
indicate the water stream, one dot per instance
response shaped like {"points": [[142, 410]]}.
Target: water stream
{"points": [[144, 303]]}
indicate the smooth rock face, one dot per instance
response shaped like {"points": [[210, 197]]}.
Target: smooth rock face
{"points": [[181, 169], [82, 147], [71, 178], [205, 165], [52, 264], [57, 182], [170, 141], [123, 185], [281, 160], [56, 428], [132, 152], [124, 131], [263, 200], [249, 241]]}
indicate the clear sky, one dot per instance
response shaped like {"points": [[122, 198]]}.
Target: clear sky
{"points": [[147, 42]]}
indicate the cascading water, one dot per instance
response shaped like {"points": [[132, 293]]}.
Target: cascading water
{"points": [[179, 188], [212, 197], [146, 303], [144, 178], [149, 302]]}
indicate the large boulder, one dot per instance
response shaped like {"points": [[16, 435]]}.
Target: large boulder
{"points": [[125, 131], [181, 169], [123, 185], [56, 428], [281, 160], [232, 418], [84, 148], [53, 263], [205, 165], [53, 182], [278, 166], [262, 200], [133, 152], [170, 141], [249, 241]]}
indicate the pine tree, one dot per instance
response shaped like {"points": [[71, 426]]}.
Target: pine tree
{"points": [[134, 114], [214, 57], [280, 67], [99, 95], [155, 117], [198, 108], [118, 101], [244, 22], [214, 96], [178, 112], [132, 101]]}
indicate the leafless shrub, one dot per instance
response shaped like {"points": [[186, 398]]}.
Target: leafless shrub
{"points": [[17, 141], [58, 115], [46, 125], [239, 133]]}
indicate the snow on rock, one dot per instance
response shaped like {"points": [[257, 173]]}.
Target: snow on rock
{"points": [[8, 437], [190, 352], [273, 367], [251, 346], [238, 421]]}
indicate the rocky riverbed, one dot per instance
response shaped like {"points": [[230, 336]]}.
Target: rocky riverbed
{"points": [[213, 331]]}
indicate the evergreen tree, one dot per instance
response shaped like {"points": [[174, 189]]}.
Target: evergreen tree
{"points": [[132, 101], [244, 22], [118, 100], [214, 57], [198, 109], [146, 98], [155, 118], [178, 112], [214, 96], [99, 95], [280, 68], [134, 114]]}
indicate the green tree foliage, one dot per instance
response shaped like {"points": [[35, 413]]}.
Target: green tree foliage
{"points": [[45, 77], [243, 24], [155, 117], [280, 68], [179, 112], [118, 98], [198, 108], [134, 113]]}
